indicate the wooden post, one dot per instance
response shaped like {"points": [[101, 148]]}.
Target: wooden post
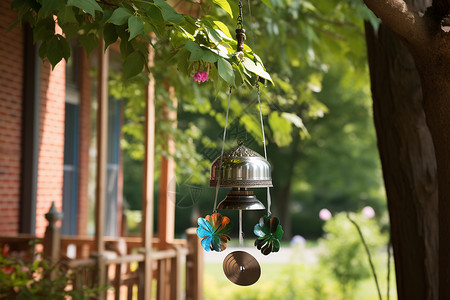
{"points": [[161, 291], [167, 183], [194, 266], [117, 281], [102, 133], [175, 275], [145, 282], [166, 199], [52, 238]]}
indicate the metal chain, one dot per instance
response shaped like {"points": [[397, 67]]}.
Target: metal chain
{"points": [[240, 19], [240, 31]]}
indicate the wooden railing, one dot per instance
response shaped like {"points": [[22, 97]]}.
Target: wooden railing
{"points": [[124, 264]]}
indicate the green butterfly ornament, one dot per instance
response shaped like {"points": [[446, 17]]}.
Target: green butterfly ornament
{"points": [[214, 230], [269, 234]]}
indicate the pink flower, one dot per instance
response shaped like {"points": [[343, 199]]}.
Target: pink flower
{"points": [[5, 250], [24, 269], [325, 214], [368, 212], [7, 270], [200, 77]]}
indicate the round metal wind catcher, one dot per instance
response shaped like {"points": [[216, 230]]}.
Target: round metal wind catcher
{"points": [[241, 268], [240, 169]]}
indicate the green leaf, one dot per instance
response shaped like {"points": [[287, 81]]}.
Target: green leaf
{"points": [[70, 29], [107, 13], [155, 21], [89, 6], [294, 119], [268, 4], [256, 68], [133, 65], [125, 47], [136, 26], [154, 12], [58, 49], [223, 29], [109, 34], [43, 48], [44, 30], [169, 14], [226, 70], [199, 53], [67, 15], [183, 61], [89, 42], [281, 128], [120, 16], [48, 6], [225, 5]]}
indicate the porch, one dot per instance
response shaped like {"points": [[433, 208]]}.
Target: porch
{"points": [[129, 271]]}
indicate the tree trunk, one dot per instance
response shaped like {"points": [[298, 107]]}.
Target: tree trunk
{"points": [[283, 164], [434, 71], [408, 162]]}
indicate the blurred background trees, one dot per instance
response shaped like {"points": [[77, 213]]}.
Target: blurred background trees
{"points": [[317, 116]]}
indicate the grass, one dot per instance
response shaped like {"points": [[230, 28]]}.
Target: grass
{"points": [[292, 281]]}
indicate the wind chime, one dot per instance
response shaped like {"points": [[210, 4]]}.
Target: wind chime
{"points": [[240, 169]]}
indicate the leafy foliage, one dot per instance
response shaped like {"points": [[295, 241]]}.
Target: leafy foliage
{"points": [[22, 279], [215, 230], [133, 23], [269, 234]]}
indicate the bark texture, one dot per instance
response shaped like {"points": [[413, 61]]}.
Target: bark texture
{"points": [[431, 52], [434, 70], [408, 162]]}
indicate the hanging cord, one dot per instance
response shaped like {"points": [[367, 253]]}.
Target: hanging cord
{"points": [[221, 154], [241, 233], [251, 23], [269, 200]]}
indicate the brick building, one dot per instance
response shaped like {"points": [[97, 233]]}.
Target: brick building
{"points": [[46, 135]]}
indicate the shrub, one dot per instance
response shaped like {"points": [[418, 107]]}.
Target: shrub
{"points": [[344, 254], [21, 279]]}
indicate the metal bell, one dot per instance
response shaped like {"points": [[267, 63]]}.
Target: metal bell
{"points": [[240, 199], [241, 168]]}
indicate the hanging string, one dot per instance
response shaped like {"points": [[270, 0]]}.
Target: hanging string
{"points": [[251, 22], [241, 234], [269, 200], [221, 153]]}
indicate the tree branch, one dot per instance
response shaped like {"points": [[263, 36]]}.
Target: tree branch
{"points": [[400, 18]]}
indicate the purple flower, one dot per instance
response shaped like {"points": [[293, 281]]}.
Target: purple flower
{"points": [[298, 240], [200, 77], [368, 212], [325, 214]]}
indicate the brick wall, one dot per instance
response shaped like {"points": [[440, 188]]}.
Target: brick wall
{"points": [[51, 148], [51, 145], [11, 70]]}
